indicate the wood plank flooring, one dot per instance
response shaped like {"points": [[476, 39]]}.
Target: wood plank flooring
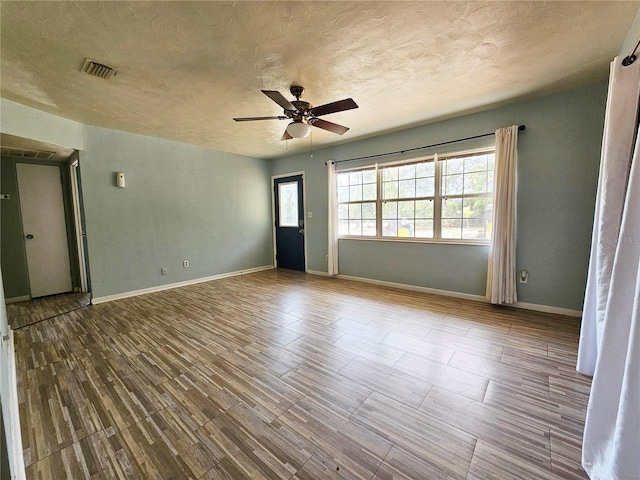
{"points": [[282, 375], [35, 310]]}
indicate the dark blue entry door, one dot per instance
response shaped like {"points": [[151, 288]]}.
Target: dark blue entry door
{"points": [[289, 222]]}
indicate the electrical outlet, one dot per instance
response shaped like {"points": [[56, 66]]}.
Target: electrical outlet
{"points": [[327, 258], [524, 276], [185, 264], [164, 271]]}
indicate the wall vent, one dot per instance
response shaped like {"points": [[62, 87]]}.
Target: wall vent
{"points": [[22, 152], [97, 69]]}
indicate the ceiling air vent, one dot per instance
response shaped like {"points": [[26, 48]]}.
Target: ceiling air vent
{"points": [[91, 67]]}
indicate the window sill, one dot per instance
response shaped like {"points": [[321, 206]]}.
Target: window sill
{"points": [[418, 240]]}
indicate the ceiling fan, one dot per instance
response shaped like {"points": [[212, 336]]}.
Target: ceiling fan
{"points": [[303, 115]]}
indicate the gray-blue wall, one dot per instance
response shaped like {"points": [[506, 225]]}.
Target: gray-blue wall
{"points": [[558, 158], [181, 202]]}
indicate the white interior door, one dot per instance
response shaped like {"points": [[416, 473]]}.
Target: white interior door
{"points": [[44, 229]]}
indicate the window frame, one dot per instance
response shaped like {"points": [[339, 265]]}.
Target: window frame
{"points": [[438, 197]]}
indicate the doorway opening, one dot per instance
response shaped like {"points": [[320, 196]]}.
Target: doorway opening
{"points": [[42, 248]]}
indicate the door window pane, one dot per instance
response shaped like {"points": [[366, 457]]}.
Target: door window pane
{"points": [[288, 204]]}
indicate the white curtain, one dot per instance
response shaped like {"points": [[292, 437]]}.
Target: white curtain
{"points": [[501, 274], [332, 227], [610, 335]]}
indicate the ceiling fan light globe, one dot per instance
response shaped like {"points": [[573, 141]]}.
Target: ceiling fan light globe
{"points": [[298, 129]]}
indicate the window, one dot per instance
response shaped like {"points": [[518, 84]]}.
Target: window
{"points": [[357, 194], [288, 201], [437, 198]]}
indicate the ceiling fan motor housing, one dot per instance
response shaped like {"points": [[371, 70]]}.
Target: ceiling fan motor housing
{"points": [[301, 107]]}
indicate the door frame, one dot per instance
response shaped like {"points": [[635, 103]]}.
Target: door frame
{"points": [[77, 221], [273, 213]]}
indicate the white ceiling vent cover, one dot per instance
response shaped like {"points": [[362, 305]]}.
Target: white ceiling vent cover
{"points": [[97, 69]]}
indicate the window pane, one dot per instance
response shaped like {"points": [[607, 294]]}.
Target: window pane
{"points": [[474, 229], [477, 218], [490, 181], [342, 179], [424, 228], [390, 228], [425, 169], [343, 194], [452, 185], [369, 211], [451, 228], [369, 176], [475, 164], [475, 182], [406, 209], [452, 166], [476, 207], [288, 204], [425, 187], [424, 208], [369, 228], [355, 211], [405, 228], [343, 227], [369, 191], [355, 193], [355, 178], [343, 212], [390, 190], [452, 208], [407, 172], [355, 227], [390, 173], [390, 210], [407, 188]]}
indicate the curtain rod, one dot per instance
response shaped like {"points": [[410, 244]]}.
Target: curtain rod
{"points": [[629, 59], [520, 127]]}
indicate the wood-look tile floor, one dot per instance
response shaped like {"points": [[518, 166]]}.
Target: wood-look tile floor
{"points": [[20, 314], [279, 374]]}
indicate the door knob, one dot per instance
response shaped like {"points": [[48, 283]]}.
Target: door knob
{"points": [[301, 231], [29, 237]]}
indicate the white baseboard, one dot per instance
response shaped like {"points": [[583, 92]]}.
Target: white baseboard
{"points": [[23, 298], [547, 309], [10, 409], [416, 288], [169, 286], [317, 272], [464, 296]]}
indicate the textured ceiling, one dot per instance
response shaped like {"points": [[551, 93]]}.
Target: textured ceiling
{"points": [[187, 68]]}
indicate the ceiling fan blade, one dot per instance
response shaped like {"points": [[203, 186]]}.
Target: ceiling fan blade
{"points": [[251, 119], [279, 99], [286, 136], [339, 106], [332, 127]]}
